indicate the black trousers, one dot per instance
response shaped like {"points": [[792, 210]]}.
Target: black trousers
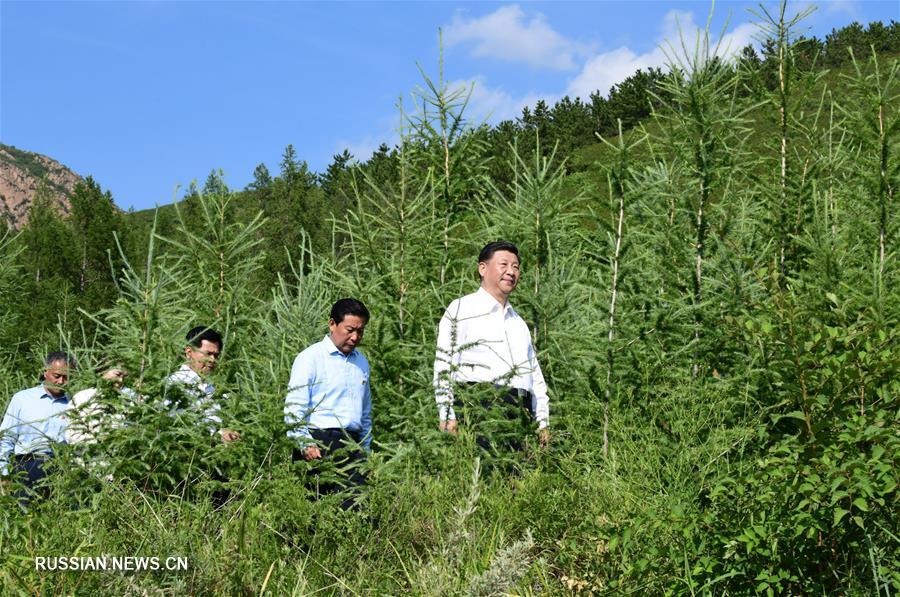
{"points": [[30, 472], [339, 469], [500, 417]]}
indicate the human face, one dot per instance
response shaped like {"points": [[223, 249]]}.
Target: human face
{"points": [[56, 376], [203, 359], [500, 274], [347, 334]]}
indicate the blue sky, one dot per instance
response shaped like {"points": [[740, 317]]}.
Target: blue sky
{"points": [[146, 96]]}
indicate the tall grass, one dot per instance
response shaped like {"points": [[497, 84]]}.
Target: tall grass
{"points": [[724, 419]]}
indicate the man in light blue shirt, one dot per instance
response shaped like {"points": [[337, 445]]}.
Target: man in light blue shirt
{"points": [[329, 400], [35, 421]]}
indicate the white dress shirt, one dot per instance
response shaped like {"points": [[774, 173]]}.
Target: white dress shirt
{"points": [[85, 427], [89, 416], [480, 340], [190, 382]]}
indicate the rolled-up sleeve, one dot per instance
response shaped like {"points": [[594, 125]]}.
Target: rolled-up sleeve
{"points": [[8, 434], [447, 338], [366, 418], [539, 391], [298, 402]]}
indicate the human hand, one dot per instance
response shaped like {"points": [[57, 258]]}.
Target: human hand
{"points": [[449, 426], [311, 453], [544, 437], [229, 435]]}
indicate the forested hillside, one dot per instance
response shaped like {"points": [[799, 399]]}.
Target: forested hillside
{"points": [[27, 178], [710, 274]]}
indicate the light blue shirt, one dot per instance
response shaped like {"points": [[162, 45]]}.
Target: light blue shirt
{"points": [[33, 422], [329, 390]]}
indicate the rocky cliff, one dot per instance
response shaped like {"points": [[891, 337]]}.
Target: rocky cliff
{"points": [[22, 174]]}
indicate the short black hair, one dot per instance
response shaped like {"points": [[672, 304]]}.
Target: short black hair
{"points": [[498, 245], [348, 306], [60, 355], [198, 334]]}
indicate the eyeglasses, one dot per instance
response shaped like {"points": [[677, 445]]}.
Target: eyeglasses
{"points": [[207, 354]]}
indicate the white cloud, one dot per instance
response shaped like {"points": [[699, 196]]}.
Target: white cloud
{"points": [[846, 7], [362, 149], [742, 36], [678, 39], [486, 104], [493, 104], [605, 70], [507, 34], [385, 129]]}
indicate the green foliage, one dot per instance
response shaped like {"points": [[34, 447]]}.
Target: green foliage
{"points": [[443, 145], [715, 301], [294, 210], [873, 124], [10, 283], [49, 263], [534, 214], [95, 221]]}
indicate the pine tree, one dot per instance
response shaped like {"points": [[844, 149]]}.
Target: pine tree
{"points": [[262, 180], [216, 256], [873, 123], [336, 182], [10, 294], [294, 211], [536, 214], [95, 221], [445, 146], [795, 151], [633, 100], [606, 249], [392, 257], [570, 126], [51, 267], [694, 184], [335, 174], [382, 166], [215, 183]]}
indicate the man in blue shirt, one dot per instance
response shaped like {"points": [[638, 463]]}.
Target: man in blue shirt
{"points": [[35, 421], [329, 401]]}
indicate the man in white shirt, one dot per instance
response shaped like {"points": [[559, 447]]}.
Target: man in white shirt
{"points": [[86, 414], [483, 341], [201, 355], [90, 420]]}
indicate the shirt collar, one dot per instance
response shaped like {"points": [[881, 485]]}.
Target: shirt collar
{"points": [[332, 348], [193, 375], [491, 303], [46, 394]]}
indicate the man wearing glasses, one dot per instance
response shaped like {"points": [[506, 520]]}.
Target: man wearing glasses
{"points": [[204, 345]]}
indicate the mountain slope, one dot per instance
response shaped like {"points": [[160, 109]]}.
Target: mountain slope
{"points": [[23, 174]]}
